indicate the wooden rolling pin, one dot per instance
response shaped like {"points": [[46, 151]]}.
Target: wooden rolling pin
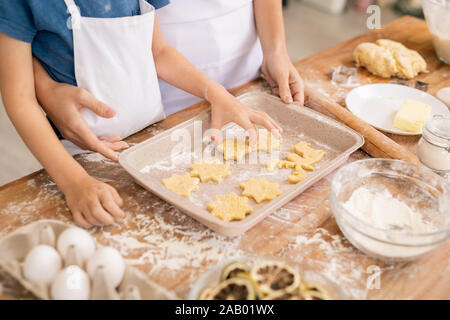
{"points": [[376, 143]]}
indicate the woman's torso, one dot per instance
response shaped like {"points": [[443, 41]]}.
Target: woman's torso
{"points": [[218, 36]]}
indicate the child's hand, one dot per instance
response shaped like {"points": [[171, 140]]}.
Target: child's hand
{"points": [[283, 77], [93, 203], [225, 109]]}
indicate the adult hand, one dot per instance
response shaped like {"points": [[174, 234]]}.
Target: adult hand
{"points": [[283, 77], [64, 103]]}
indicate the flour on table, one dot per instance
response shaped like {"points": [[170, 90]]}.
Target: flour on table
{"points": [[95, 157], [333, 257], [171, 246]]}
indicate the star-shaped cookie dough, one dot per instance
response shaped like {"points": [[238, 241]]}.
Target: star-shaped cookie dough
{"points": [[230, 207], [260, 189], [267, 141], [234, 148], [304, 149], [207, 171], [181, 184]]}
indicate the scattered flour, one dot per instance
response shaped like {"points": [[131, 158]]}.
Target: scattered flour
{"points": [[96, 157], [179, 161], [171, 246], [334, 257]]}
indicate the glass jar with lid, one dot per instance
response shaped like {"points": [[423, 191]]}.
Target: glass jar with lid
{"points": [[434, 146]]}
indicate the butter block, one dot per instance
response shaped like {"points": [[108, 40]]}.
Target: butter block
{"points": [[412, 116]]}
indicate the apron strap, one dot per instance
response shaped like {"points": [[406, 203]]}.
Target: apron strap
{"points": [[72, 8]]}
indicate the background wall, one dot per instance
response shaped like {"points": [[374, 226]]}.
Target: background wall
{"points": [[308, 29]]}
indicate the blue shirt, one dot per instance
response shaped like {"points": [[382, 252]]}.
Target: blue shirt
{"points": [[43, 23]]}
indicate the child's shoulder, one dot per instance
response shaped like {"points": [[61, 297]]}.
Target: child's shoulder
{"points": [[22, 19]]}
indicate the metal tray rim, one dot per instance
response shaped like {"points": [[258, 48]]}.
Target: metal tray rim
{"points": [[235, 228]]}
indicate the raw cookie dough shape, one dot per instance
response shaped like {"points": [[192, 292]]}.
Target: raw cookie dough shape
{"points": [[375, 59], [267, 141], [181, 184], [260, 189], [234, 148], [409, 62], [304, 159], [298, 175], [280, 164], [230, 207], [300, 162], [389, 58], [304, 149], [207, 171]]}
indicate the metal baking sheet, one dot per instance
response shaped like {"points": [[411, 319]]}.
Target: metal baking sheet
{"points": [[174, 150]]}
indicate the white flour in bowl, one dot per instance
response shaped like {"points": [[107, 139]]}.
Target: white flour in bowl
{"points": [[382, 211]]}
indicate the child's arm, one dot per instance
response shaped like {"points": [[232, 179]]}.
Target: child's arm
{"points": [[277, 66], [176, 70], [91, 202]]}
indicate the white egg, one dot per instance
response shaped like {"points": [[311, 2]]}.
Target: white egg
{"points": [[81, 239], [71, 283], [112, 262], [42, 264]]}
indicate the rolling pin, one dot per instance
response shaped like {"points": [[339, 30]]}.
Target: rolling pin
{"points": [[376, 143]]}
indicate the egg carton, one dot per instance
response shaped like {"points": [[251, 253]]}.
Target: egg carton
{"points": [[14, 248]]}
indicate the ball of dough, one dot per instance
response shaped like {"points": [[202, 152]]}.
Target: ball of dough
{"points": [[389, 58], [375, 59], [409, 62]]}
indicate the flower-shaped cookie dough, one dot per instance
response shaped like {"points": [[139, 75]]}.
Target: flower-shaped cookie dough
{"points": [[260, 189], [207, 171], [230, 207], [181, 184]]}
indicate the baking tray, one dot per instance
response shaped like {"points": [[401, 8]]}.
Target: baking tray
{"points": [[173, 151], [15, 247]]}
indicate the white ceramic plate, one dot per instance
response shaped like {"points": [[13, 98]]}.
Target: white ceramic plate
{"points": [[377, 104]]}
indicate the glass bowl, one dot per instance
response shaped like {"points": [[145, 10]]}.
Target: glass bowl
{"points": [[211, 277], [423, 191], [437, 15]]}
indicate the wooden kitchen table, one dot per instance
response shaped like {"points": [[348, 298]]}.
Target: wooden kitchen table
{"points": [[174, 250]]}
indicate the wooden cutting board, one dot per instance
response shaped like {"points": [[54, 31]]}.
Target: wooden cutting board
{"points": [[412, 32], [174, 250]]}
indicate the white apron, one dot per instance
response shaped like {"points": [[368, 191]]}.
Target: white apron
{"points": [[218, 36], [114, 62]]}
